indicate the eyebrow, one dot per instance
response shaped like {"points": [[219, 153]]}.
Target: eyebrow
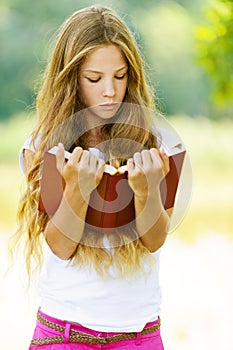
{"points": [[99, 72]]}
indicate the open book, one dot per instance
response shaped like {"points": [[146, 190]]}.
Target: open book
{"points": [[111, 204]]}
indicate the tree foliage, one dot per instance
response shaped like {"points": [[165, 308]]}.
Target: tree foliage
{"points": [[26, 30], [167, 36], [163, 30], [215, 50]]}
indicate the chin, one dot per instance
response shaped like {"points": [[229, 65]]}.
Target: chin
{"points": [[104, 112]]}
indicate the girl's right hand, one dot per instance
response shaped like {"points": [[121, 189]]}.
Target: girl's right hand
{"points": [[82, 172]]}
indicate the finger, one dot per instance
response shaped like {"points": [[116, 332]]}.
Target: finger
{"points": [[100, 167], [156, 158], [85, 158], [100, 163], [130, 165], [60, 157], [165, 159], [146, 158], [75, 155], [93, 162], [137, 158]]}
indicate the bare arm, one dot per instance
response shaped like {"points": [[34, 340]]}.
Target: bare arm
{"points": [[146, 170], [82, 174], [65, 229]]}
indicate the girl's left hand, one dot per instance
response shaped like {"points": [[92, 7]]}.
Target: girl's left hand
{"points": [[146, 170]]}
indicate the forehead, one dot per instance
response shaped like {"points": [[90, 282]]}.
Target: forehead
{"points": [[104, 58]]}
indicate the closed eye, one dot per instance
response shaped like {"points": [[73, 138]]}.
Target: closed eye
{"points": [[93, 80], [120, 77]]}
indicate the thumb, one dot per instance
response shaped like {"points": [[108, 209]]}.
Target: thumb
{"points": [[100, 170], [130, 165], [165, 160], [60, 157]]}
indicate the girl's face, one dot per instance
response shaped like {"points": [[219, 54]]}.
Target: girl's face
{"points": [[103, 81]]}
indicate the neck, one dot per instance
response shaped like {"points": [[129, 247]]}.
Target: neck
{"points": [[95, 137]]}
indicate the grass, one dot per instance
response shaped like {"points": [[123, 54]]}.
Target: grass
{"points": [[11, 180], [210, 146], [13, 133]]}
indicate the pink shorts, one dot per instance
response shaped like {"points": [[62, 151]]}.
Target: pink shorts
{"points": [[62, 334]]}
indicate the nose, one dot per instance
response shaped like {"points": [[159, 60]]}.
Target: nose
{"points": [[109, 89]]}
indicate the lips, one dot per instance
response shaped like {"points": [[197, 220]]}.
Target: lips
{"points": [[109, 106]]}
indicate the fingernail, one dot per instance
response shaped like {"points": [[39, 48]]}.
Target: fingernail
{"points": [[162, 149]]}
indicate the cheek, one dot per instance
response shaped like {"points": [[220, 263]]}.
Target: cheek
{"points": [[88, 93], [123, 89]]}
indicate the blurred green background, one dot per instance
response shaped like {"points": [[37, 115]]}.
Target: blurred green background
{"points": [[188, 49]]}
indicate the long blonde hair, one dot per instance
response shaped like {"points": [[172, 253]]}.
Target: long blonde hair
{"points": [[58, 101]]}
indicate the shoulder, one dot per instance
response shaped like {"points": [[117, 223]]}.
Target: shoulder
{"points": [[27, 150], [166, 134]]}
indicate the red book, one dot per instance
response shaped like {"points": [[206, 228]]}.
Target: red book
{"points": [[112, 202]]}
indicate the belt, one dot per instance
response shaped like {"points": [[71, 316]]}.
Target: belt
{"points": [[79, 337]]}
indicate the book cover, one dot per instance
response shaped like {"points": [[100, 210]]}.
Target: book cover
{"points": [[112, 202]]}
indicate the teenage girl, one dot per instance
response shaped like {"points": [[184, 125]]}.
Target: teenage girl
{"points": [[97, 290]]}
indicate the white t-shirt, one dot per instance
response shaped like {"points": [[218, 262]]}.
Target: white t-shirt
{"points": [[80, 295], [108, 305]]}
